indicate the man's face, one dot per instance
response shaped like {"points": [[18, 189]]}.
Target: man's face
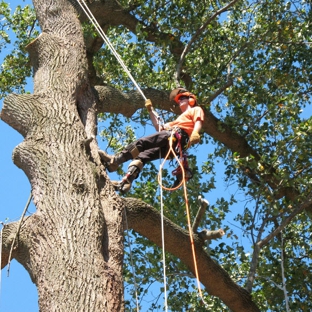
{"points": [[183, 103]]}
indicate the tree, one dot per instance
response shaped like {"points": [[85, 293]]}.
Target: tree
{"points": [[249, 62]]}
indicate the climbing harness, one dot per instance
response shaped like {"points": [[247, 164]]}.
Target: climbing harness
{"points": [[182, 172], [178, 171]]}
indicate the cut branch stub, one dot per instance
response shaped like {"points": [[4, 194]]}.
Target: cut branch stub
{"points": [[18, 111]]}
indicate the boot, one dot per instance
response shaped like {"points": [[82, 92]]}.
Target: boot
{"points": [[134, 169], [112, 162]]}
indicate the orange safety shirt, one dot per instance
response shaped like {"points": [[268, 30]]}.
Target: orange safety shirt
{"points": [[186, 120]]}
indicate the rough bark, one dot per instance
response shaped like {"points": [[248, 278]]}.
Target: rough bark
{"points": [[72, 246]]}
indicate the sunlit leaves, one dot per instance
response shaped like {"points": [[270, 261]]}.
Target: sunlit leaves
{"points": [[17, 30]]}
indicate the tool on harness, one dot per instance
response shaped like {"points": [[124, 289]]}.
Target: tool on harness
{"points": [[182, 139]]}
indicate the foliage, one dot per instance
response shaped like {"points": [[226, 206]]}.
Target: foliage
{"points": [[264, 47], [17, 30]]}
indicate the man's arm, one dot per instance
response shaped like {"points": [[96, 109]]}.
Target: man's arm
{"points": [[153, 115], [154, 118], [195, 136], [198, 125]]}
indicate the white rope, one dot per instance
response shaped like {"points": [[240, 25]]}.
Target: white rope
{"points": [[17, 231], [160, 122], [93, 20], [163, 240], [131, 262]]}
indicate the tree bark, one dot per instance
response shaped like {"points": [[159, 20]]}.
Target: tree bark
{"points": [[73, 245]]}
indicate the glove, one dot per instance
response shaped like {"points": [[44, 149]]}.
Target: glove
{"points": [[194, 138], [148, 105]]}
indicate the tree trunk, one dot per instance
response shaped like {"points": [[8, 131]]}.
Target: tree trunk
{"points": [[66, 244]]}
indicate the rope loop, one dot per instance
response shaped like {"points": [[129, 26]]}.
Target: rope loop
{"points": [[183, 182]]}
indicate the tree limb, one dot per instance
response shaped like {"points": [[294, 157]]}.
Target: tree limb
{"points": [[200, 213], [196, 35], [209, 235], [146, 220], [306, 204]]}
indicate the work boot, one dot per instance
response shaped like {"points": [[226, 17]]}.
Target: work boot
{"points": [[112, 162], [134, 169]]}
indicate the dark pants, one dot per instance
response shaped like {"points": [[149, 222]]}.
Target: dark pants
{"points": [[155, 146]]}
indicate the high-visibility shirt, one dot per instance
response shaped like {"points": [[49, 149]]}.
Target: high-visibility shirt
{"points": [[186, 120]]}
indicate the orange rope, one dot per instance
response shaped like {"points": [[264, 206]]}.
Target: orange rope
{"points": [[186, 204]]}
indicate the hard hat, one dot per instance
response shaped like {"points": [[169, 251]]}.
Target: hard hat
{"points": [[178, 92]]}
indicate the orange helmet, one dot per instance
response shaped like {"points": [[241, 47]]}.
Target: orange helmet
{"points": [[177, 93]]}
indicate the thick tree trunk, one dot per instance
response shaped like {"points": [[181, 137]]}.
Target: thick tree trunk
{"points": [[64, 245]]}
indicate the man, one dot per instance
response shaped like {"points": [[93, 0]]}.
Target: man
{"points": [[186, 128]]}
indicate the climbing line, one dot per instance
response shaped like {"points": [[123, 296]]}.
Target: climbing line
{"points": [[131, 262], [100, 31], [160, 123], [183, 182], [163, 247]]}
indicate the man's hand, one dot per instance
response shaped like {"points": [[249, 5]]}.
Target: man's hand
{"points": [[148, 105], [195, 137]]}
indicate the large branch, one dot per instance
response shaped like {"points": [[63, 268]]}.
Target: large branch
{"points": [[115, 101], [146, 220]]}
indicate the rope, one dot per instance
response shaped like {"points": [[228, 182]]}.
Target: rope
{"points": [[92, 19], [171, 150], [100, 31], [163, 243], [131, 261], [160, 123]]}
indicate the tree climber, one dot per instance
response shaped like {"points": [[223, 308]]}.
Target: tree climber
{"points": [[186, 128]]}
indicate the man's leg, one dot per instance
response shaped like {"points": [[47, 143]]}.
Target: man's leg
{"points": [[136, 166], [112, 162], [156, 140], [134, 169]]}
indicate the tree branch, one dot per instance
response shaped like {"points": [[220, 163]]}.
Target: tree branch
{"points": [[146, 220], [196, 35], [200, 213], [306, 204], [112, 100], [209, 235]]}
